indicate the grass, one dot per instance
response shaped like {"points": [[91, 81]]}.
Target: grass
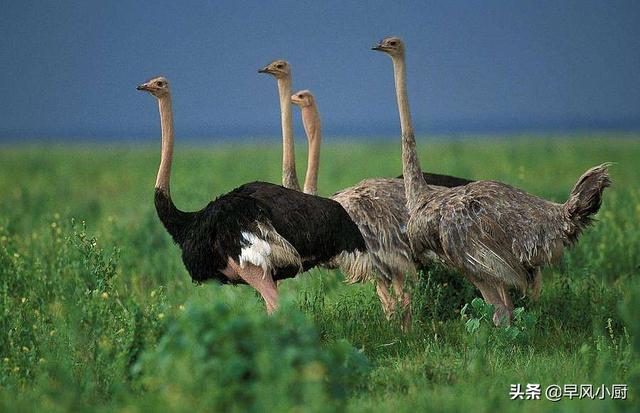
{"points": [[97, 312]]}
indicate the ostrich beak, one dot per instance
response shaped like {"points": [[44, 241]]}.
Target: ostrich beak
{"points": [[142, 87], [377, 47], [263, 70]]}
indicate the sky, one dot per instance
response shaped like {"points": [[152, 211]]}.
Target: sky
{"points": [[70, 68]]}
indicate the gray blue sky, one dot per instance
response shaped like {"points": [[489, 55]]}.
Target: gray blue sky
{"points": [[69, 68]]}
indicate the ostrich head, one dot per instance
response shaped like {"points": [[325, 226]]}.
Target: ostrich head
{"points": [[393, 46], [279, 69], [303, 98], [158, 86]]}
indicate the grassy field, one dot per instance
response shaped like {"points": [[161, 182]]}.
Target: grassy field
{"points": [[97, 312]]}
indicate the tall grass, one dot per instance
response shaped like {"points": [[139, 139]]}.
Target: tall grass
{"points": [[98, 313]]}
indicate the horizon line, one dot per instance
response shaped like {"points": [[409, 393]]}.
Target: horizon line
{"points": [[355, 130]]}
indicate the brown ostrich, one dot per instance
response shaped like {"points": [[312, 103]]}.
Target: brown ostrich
{"points": [[497, 235]]}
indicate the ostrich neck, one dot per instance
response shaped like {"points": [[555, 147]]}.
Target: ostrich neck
{"points": [[311, 122], [166, 157], [414, 183], [289, 175], [174, 220]]}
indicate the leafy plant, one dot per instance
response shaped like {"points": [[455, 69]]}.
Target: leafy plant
{"points": [[221, 355], [480, 314]]}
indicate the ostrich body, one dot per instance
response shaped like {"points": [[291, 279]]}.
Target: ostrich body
{"points": [[497, 235], [255, 234]]}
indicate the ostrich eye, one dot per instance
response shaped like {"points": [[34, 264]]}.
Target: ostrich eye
{"points": [[280, 66], [392, 43], [161, 84], [300, 96]]}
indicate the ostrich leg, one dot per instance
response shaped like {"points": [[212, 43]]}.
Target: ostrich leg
{"points": [[503, 290], [261, 281], [386, 298], [404, 298], [493, 296]]}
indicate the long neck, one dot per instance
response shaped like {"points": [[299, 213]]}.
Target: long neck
{"points": [[172, 218], [166, 158], [414, 183], [289, 175], [311, 122]]}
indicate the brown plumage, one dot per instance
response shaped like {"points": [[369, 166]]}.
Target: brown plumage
{"points": [[497, 235], [378, 207], [493, 230]]}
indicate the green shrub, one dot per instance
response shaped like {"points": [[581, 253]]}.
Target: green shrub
{"points": [[223, 355], [440, 293]]}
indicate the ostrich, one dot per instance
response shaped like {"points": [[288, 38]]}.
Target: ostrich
{"points": [[497, 235], [255, 234], [377, 206]]}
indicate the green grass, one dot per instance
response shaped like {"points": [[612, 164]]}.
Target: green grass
{"points": [[97, 312]]}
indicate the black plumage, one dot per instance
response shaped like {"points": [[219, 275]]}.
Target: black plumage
{"points": [[446, 181], [255, 234], [317, 228]]}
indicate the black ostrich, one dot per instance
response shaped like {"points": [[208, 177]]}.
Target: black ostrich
{"points": [[255, 234]]}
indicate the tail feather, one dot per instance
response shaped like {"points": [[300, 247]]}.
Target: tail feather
{"points": [[585, 199]]}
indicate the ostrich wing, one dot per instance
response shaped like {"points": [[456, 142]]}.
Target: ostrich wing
{"points": [[494, 230]]}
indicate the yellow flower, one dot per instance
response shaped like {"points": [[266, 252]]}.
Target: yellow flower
{"points": [[105, 295], [23, 300], [161, 316]]}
